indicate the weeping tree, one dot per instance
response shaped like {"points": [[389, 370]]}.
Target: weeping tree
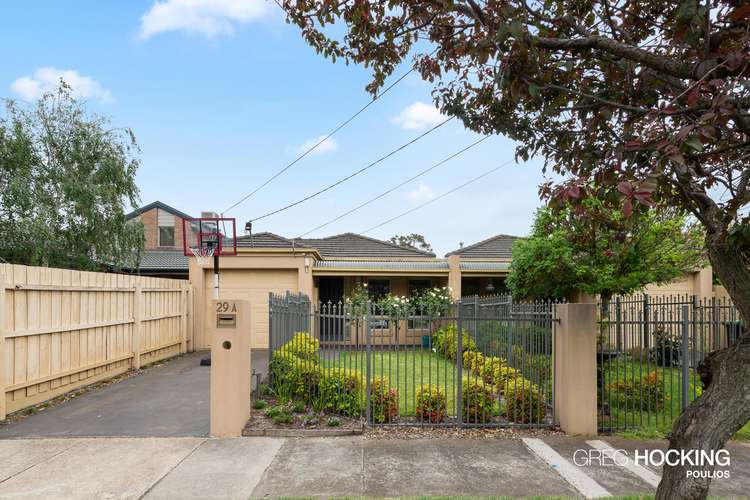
{"points": [[65, 176], [649, 99], [593, 247]]}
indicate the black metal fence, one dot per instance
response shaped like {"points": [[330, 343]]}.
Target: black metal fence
{"points": [[649, 350], [405, 367]]}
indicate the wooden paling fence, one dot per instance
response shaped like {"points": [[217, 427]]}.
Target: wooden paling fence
{"points": [[62, 329]]}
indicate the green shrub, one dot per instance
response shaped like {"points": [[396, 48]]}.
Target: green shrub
{"points": [[275, 411], [501, 337], [646, 393], [384, 401], [283, 418], [431, 404], [446, 342], [304, 346], [478, 401], [259, 404], [298, 407], [536, 367], [495, 372], [524, 403], [474, 361], [333, 422], [294, 377], [341, 391]]}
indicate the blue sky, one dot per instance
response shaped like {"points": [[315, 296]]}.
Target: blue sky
{"points": [[222, 93]]}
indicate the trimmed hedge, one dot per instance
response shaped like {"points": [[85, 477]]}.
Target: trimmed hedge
{"points": [[304, 346], [384, 401], [496, 371], [431, 404], [474, 361], [290, 373], [524, 403], [341, 391], [478, 401], [446, 342]]}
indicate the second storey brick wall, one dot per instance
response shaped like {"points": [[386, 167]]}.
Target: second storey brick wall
{"points": [[151, 229]]}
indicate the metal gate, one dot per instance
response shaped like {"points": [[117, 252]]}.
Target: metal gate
{"points": [[413, 368], [648, 353]]}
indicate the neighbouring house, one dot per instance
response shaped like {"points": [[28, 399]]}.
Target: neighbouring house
{"points": [[163, 254]]}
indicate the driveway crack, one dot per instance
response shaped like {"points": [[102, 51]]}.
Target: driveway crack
{"points": [[150, 488]]}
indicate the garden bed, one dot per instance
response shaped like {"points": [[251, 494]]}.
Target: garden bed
{"points": [[295, 419]]}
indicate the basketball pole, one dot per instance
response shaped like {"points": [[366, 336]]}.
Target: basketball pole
{"points": [[216, 276]]}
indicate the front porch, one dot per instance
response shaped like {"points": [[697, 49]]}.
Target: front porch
{"points": [[334, 327]]}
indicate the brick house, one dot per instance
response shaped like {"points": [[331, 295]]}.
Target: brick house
{"points": [[163, 255]]}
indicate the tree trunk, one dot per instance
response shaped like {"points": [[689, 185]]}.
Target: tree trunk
{"points": [[724, 407]]}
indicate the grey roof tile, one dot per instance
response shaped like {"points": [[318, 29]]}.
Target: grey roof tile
{"points": [[159, 205], [496, 247], [268, 240], [163, 260], [354, 245]]}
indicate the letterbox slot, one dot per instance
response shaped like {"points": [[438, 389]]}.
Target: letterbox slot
{"points": [[226, 320]]}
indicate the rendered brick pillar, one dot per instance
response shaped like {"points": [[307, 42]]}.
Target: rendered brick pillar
{"points": [[230, 367], [575, 369], [454, 276]]}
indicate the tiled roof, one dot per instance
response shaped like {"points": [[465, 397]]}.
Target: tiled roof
{"points": [[268, 240], [163, 260], [357, 265], [353, 245], [160, 206], [496, 247]]}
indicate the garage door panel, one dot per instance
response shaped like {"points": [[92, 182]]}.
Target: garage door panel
{"points": [[254, 286]]}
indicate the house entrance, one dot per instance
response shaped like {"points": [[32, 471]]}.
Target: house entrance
{"points": [[331, 295]]}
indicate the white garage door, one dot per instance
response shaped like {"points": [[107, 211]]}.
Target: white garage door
{"points": [[255, 285]]}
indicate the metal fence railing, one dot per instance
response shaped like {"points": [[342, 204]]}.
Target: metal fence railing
{"points": [[414, 368], [649, 350]]}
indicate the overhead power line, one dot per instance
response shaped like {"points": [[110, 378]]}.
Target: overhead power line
{"points": [[438, 197], [344, 179], [324, 139], [397, 186]]}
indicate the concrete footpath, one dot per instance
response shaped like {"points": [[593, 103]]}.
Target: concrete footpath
{"points": [[180, 468]]}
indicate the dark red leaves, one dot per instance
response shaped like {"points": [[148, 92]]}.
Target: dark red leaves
{"points": [[740, 13]]}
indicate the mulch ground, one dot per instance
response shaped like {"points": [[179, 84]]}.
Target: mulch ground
{"points": [[456, 433]]}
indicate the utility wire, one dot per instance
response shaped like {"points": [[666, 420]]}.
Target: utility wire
{"points": [[485, 174], [324, 139], [384, 193], [341, 181]]}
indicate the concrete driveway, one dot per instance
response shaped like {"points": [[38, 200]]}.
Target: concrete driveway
{"points": [[171, 400]]}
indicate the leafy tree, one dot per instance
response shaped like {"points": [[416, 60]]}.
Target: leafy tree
{"points": [[64, 178], [412, 240], [648, 98], [600, 251]]}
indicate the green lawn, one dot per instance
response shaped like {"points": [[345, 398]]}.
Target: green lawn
{"points": [[407, 370], [647, 416], [651, 423]]}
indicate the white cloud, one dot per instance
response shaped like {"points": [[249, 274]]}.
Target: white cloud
{"points": [[48, 79], [210, 18], [420, 194], [418, 116], [328, 146]]}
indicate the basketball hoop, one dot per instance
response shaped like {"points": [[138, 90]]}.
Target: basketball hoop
{"points": [[203, 255], [207, 239]]}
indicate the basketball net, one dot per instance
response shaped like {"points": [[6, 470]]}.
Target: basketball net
{"points": [[203, 255]]}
